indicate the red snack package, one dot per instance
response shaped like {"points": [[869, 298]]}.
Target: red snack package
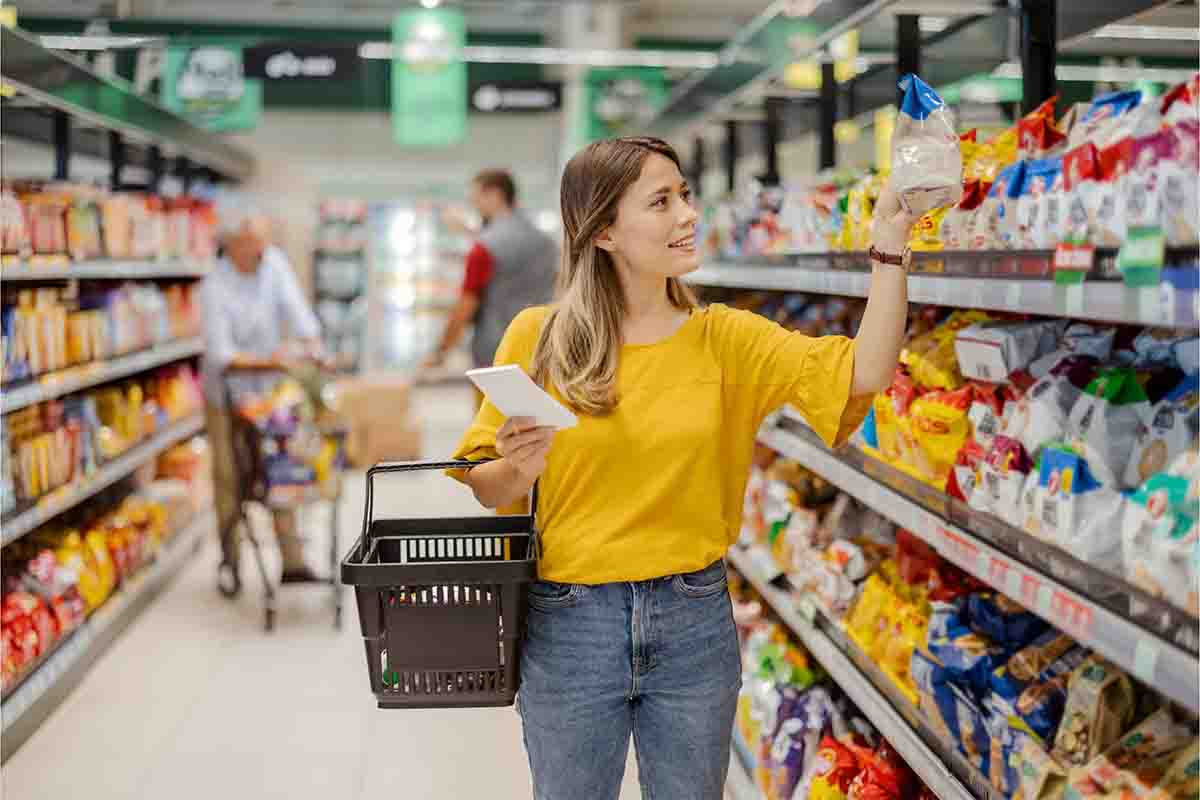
{"points": [[887, 777], [916, 561], [1037, 133]]}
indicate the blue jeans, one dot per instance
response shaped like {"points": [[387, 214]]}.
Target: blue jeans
{"points": [[656, 659]]}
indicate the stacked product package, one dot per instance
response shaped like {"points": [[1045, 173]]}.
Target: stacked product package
{"points": [[42, 222], [1033, 712]]}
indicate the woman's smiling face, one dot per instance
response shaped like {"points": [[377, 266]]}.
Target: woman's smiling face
{"points": [[655, 230]]}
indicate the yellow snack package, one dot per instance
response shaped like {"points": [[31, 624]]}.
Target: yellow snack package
{"points": [[927, 233], [866, 619], [940, 428]]}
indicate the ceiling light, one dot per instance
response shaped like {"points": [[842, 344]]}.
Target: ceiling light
{"points": [[1076, 73], [561, 56], [106, 42], [1161, 32], [933, 24], [430, 4]]}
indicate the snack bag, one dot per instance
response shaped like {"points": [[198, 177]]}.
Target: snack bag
{"points": [[886, 777], [1180, 194], [1079, 339], [1182, 102], [1038, 179], [1099, 124], [940, 427], [1183, 776], [1036, 132], [996, 225], [1075, 512], [1032, 685], [926, 159], [1172, 426], [1000, 477], [1040, 776], [1081, 173], [1143, 188], [1100, 707], [927, 233], [836, 765], [1053, 213], [1105, 422], [1141, 759], [1111, 222], [1005, 622], [1160, 538], [959, 221], [1041, 415]]}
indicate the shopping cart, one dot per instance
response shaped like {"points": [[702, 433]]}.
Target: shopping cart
{"points": [[441, 602], [270, 457]]}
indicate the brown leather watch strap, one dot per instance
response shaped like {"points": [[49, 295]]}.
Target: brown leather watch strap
{"points": [[885, 258]]}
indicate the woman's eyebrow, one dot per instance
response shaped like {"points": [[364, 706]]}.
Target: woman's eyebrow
{"points": [[667, 189]]}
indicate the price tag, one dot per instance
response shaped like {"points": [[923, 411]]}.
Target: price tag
{"points": [[1073, 305], [1145, 659], [983, 563], [1012, 584], [1141, 257], [1045, 601], [1012, 296], [807, 608], [1073, 261]]}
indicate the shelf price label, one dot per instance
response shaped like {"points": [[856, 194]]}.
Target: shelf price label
{"points": [[1072, 262], [1071, 615]]}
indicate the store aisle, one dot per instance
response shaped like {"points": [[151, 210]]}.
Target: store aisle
{"points": [[194, 701]]}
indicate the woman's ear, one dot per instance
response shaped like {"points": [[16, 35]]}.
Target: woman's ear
{"points": [[604, 240]]}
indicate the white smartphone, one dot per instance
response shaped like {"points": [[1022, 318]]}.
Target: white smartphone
{"points": [[513, 392]]}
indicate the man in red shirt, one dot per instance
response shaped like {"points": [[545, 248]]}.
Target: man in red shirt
{"points": [[510, 267]]}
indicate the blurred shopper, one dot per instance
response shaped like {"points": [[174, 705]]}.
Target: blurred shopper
{"points": [[255, 317], [512, 266], [630, 628]]}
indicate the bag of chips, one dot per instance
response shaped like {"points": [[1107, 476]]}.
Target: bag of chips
{"points": [[1141, 759], [1105, 421], [1180, 194], [1037, 133], [940, 427], [1172, 427], [1081, 173], [1160, 540], [1111, 222], [926, 159], [1101, 124], [997, 215], [1002, 620], [1075, 512]]}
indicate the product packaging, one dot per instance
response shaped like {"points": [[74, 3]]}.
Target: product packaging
{"points": [[1100, 707], [926, 159], [1076, 512], [1173, 426], [992, 351], [1180, 193], [1105, 422]]}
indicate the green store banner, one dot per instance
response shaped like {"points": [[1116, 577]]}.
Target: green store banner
{"points": [[618, 96], [206, 85], [429, 78]]}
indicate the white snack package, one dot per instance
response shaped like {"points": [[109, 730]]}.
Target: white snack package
{"points": [[926, 158]]}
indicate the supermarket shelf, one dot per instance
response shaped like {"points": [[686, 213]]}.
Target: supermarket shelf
{"points": [[73, 494], [39, 694], [1093, 607], [72, 379], [918, 751], [739, 785], [66, 83], [1020, 282], [104, 270]]}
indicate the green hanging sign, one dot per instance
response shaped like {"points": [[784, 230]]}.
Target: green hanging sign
{"points": [[429, 78], [618, 96], [206, 85]]}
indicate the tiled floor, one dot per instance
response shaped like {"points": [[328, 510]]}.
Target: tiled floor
{"points": [[196, 702]]}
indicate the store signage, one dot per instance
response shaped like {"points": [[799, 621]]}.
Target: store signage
{"points": [[429, 78], [619, 96], [516, 97], [296, 60], [207, 85]]}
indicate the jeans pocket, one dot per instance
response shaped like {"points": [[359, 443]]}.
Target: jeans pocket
{"points": [[706, 582], [548, 595]]}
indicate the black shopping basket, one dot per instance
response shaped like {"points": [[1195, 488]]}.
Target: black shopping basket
{"points": [[441, 602]]}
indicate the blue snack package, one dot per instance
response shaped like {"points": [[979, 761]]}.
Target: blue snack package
{"points": [[936, 699], [1001, 619], [973, 739], [920, 100], [1032, 686], [870, 435]]}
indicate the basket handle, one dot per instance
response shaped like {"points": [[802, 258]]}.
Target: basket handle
{"points": [[418, 466]]}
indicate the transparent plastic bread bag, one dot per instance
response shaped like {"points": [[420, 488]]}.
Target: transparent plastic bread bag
{"points": [[926, 157]]}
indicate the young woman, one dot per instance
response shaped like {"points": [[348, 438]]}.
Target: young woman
{"points": [[630, 629]]}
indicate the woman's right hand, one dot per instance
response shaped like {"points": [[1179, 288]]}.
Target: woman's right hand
{"points": [[525, 445]]}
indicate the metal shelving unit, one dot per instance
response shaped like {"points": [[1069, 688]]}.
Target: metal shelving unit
{"points": [[71, 495], [1019, 282], [1156, 646], [84, 376], [103, 270], [920, 752], [43, 690]]}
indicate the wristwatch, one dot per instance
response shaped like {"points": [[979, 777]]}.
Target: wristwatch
{"points": [[903, 260]]}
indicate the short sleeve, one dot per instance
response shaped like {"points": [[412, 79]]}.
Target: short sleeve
{"points": [[479, 268], [767, 366], [517, 346]]}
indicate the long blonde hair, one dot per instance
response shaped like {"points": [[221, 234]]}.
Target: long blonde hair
{"points": [[580, 343]]}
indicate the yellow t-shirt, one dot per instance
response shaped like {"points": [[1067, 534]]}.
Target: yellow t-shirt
{"points": [[656, 487]]}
